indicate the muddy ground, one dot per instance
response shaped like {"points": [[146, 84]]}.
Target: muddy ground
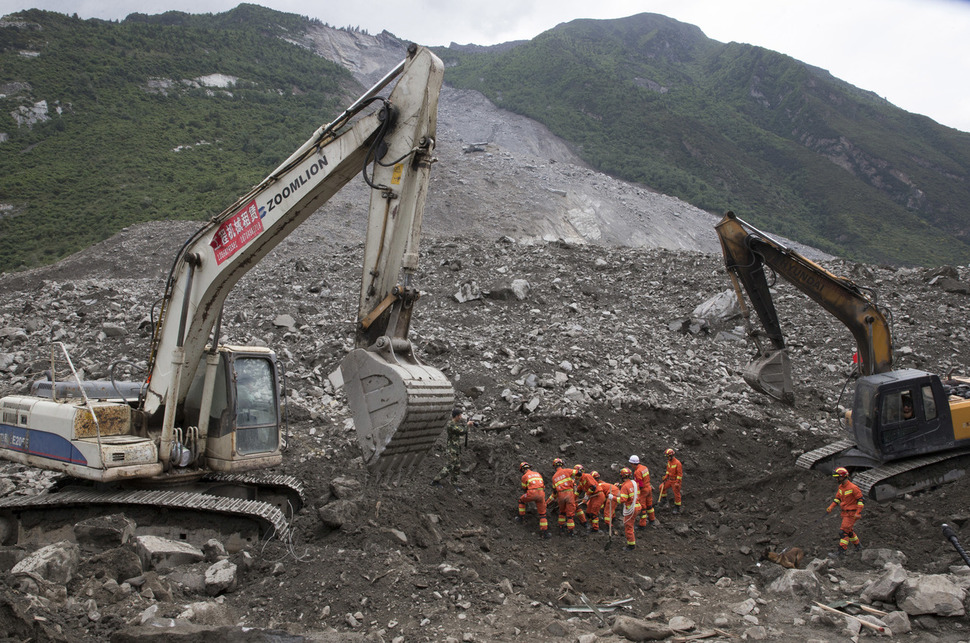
{"points": [[420, 563]]}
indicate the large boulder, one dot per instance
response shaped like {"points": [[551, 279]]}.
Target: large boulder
{"points": [[55, 563], [634, 629], [103, 532], [161, 553], [220, 578], [884, 587], [796, 582], [930, 594]]}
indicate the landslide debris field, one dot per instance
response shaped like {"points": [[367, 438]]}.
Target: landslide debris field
{"points": [[596, 361]]}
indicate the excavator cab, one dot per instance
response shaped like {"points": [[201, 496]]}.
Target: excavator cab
{"points": [[242, 429], [901, 414]]}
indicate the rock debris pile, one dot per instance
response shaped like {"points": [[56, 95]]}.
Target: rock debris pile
{"points": [[559, 350]]}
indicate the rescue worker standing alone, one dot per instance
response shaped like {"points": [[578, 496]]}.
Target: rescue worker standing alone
{"points": [[849, 498], [457, 429], [672, 479], [564, 487], [534, 488], [641, 475], [628, 500]]}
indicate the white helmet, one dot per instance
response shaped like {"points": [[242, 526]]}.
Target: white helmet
{"points": [[634, 459]]}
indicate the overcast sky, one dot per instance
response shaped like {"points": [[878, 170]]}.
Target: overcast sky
{"points": [[911, 52]]}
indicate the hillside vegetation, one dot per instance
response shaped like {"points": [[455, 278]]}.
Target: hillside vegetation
{"points": [[173, 116], [132, 134], [732, 126]]}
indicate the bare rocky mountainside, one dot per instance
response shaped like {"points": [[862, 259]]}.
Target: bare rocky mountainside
{"points": [[572, 313]]}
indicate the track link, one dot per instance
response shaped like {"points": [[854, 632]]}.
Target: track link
{"points": [[808, 459], [891, 480], [288, 486], [271, 521]]}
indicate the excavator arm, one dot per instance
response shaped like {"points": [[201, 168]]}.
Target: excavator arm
{"points": [[392, 147], [747, 251]]}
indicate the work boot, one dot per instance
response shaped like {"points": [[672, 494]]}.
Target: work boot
{"points": [[572, 533], [518, 519], [641, 527], [545, 535], [436, 483], [837, 554], [676, 509], [654, 523], [858, 547], [630, 547]]}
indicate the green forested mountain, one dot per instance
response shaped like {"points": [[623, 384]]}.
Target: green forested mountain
{"points": [[732, 126], [104, 124], [132, 135]]}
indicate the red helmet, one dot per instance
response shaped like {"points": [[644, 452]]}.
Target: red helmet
{"points": [[669, 452], [625, 473], [578, 469], [596, 475], [524, 465], [841, 472], [558, 462]]}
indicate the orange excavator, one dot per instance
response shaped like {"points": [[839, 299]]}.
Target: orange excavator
{"points": [[908, 429]]}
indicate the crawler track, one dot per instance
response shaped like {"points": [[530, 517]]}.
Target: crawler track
{"points": [[259, 504]]}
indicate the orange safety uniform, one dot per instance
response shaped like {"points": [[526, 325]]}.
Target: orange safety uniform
{"points": [[535, 491], [565, 489], [628, 500], [673, 478], [585, 486], [849, 499], [609, 504], [641, 475]]}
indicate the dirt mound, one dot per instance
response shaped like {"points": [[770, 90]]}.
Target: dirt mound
{"points": [[593, 365]]}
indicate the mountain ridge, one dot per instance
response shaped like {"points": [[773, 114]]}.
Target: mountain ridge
{"points": [[532, 179]]}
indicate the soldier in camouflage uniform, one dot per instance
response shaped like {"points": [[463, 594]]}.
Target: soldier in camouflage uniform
{"points": [[457, 429]]}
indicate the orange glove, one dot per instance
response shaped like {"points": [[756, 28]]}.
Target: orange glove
{"points": [[830, 508]]}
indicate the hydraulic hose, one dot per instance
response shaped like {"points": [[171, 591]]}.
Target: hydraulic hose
{"points": [[948, 532]]}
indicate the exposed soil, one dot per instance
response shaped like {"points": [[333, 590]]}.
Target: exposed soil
{"points": [[426, 563]]}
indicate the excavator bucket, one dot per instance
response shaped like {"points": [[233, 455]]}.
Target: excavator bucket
{"points": [[770, 374], [400, 406]]}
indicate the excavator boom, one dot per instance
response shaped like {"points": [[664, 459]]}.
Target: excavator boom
{"points": [[747, 252]]}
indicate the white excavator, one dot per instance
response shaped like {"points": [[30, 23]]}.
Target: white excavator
{"points": [[199, 432]]}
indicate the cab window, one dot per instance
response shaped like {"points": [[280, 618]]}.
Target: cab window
{"points": [[929, 403], [898, 406], [256, 406]]}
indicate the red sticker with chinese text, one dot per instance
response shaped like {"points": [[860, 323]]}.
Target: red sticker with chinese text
{"points": [[236, 232]]}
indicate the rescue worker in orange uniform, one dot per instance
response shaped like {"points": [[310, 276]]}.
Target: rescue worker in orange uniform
{"points": [[641, 475], [672, 478], [565, 489], [849, 499], [628, 501], [535, 491], [585, 486], [597, 500], [612, 492]]}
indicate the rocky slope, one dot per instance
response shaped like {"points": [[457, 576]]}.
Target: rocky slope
{"points": [[593, 364]]}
